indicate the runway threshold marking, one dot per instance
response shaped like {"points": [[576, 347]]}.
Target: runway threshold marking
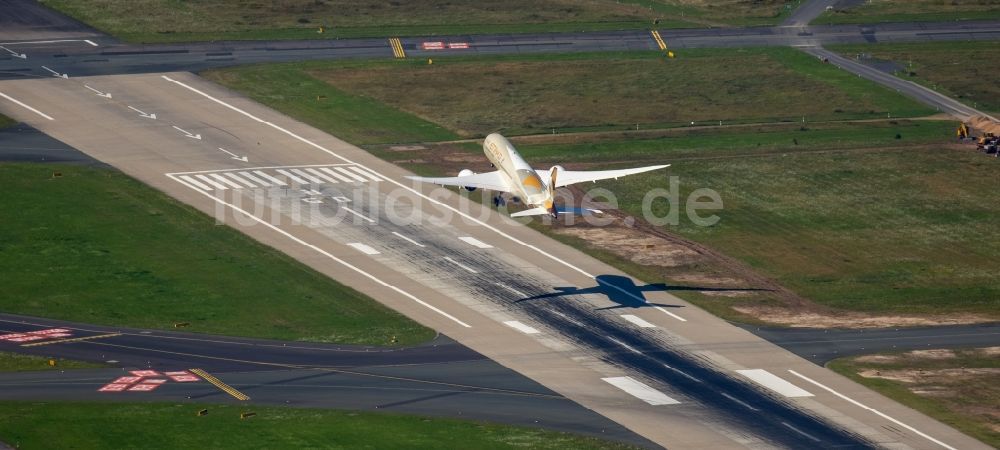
{"points": [[397, 48], [63, 341], [26, 106], [659, 40], [774, 383], [640, 391], [219, 384], [873, 410], [364, 248]]}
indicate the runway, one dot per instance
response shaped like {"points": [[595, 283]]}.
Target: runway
{"points": [[673, 374]]}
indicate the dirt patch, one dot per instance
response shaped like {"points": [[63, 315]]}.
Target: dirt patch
{"points": [[877, 359], [932, 354], [915, 376], [801, 318]]}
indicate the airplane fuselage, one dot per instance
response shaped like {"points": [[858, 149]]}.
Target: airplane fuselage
{"points": [[521, 177]]}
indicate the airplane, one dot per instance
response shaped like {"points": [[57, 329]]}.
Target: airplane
{"points": [[514, 176]]}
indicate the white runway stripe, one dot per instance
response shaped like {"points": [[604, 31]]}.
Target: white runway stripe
{"points": [[273, 180], [195, 182], [365, 173], [311, 178], [239, 180], [409, 240], [336, 175], [638, 321], [774, 383], [294, 178], [521, 327], [350, 174], [225, 181], [255, 179], [467, 268], [641, 391], [475, 242], [321, 175], [210, 182], [363, 248]]}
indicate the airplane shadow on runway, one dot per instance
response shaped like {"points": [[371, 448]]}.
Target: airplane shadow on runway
{"points": [[624, 292]]}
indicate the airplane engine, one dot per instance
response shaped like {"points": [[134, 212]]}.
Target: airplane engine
{"points": [[465, 173]]}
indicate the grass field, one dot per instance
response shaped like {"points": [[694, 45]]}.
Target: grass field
{"points": [[957, 387], [174, 21], [6, 121], [97, 246], [900, 231], [967, 71], [564, 92], [168, 426], [16, 362], [913, 11]]}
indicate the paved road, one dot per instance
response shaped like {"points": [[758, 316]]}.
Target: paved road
{"points": [[441, 378]]}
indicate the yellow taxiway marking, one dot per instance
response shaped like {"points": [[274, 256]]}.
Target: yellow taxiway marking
{"points": [[397, 48], [219, 384], [60, 341], [659, 40]]}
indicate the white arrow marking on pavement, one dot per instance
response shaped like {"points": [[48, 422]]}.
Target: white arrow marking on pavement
{"points": [[56, 74], [99, 93], [241, 158], [148, 116], [193, 136], [15, 54]]}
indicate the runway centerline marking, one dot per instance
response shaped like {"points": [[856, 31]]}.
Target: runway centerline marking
{"points": [[521, 327], [26, 106], [369, 219], [219, 384], [664, 311], [739, 402], [62, 341], [774, 383], [327, 254], [625, 346], [467, 268], [637, 321], [877, 412], [364, 248], [512, 290], [814, 438], [640, 391], [409, 240]]}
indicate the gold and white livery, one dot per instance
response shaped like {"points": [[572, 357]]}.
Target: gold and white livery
{"points": [[516, 177]]}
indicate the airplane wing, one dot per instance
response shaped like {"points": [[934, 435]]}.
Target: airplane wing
{"points": [[492, 181], [568, 177]]}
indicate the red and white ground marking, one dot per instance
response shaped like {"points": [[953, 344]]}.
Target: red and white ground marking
{"points": [[458, 45], [432, 46], [51, 333], [182, 376], [113, 387], [146, 380]]}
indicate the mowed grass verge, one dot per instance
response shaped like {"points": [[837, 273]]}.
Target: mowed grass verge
{"points": [[161, 425], [6, 121], [16, 362], [96, 246], [907, 231], [957, 387], [172, 21], [966, 71], [913, 11], [472, 97]]}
